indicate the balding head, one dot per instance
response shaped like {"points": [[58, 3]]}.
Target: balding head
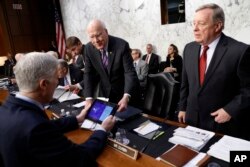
{"points": [[98, 34]]}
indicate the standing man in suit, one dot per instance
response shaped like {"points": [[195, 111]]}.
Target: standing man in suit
{"points": [[110, 58], [215, 89], [76, 48], [70, 76], [27, 137], [152, 60]]}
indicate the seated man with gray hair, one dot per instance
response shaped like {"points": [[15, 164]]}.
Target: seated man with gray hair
{"points": [[27, 136]]}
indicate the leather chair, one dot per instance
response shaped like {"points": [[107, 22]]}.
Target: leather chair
{"points": [[161, 95]]}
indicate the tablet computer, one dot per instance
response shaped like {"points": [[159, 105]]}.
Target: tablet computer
{"points": [[101, 110]]}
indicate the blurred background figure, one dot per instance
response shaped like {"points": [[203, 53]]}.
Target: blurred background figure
{"points": [[76, 49], [151, 59], [70, 77], [174, 62], [8, 65]]}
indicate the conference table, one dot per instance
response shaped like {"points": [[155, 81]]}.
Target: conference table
{"points": [[111, 157]]}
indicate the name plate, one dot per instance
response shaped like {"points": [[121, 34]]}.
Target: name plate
{"points": [[128, 151]]}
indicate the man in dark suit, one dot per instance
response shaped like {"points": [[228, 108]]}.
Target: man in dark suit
{"points": [[152, 60], [76, 48], [27, 137], [70, 76], [110, 58], [218, 101]]}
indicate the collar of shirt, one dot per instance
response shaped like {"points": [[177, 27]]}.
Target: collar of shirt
{"points": [[137, 61], [210, 51], [68, 77], [25, 98]]}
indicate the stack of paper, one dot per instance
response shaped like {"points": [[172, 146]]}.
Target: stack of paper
{"points": [[222, 148], [192, 137], [63, 95], [146, 127]]}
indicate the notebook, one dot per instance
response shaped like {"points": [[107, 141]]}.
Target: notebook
{"points": [[178, 155]]}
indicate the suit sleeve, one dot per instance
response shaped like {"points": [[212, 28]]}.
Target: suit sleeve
{"points": [[52, 148], [155, 65], [184, 91], [89, 74], [143, 72], [241, 102], [66, 124]]}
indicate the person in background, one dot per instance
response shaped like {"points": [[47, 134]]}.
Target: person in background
{"points": [[76, 49], [8, 65], [110, 58], [174, 62], [141, 68], [70, 76], [215, 88], [34, 139], [151, 59]]}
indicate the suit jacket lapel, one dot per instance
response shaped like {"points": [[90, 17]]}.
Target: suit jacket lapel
{"points": [[111, 54], [196, 62], [219, 52]]}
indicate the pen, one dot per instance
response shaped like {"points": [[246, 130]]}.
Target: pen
{"points": [[161, 133]]}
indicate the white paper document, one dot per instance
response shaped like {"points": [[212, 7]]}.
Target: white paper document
{"points": [[88, 124], [195, 160], [146, 128], [68, 96], [222, 148], [192, 137], [79, 105]]}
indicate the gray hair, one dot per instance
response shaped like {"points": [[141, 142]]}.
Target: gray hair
{"points": [[218, 13], [53, 53], [33, 67], [96, 22]]}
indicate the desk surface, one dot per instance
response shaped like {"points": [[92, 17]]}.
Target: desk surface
{"points": [[109, 156]]}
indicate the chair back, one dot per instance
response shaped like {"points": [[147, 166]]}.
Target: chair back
{"points": [[160, 97]]}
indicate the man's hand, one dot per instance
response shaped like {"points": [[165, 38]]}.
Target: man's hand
{"points": [[123, 103], [72, 88], [182, 116], [89, 102], [108, 123], [80, 117], [221, 116]]}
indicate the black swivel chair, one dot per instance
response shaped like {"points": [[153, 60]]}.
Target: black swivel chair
{"points": [[161, 96]]}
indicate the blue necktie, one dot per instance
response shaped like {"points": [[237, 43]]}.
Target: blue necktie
{"points": [[104, 59]]}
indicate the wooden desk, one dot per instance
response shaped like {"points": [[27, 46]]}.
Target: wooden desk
{"points": [[113, 158], [109, 157]]}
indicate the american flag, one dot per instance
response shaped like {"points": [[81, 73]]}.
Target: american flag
{"points": [[60, 38]]}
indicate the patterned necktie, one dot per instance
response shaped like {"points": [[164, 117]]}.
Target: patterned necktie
{"points": [[135, 64], [104, 59], [203, 64]]}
